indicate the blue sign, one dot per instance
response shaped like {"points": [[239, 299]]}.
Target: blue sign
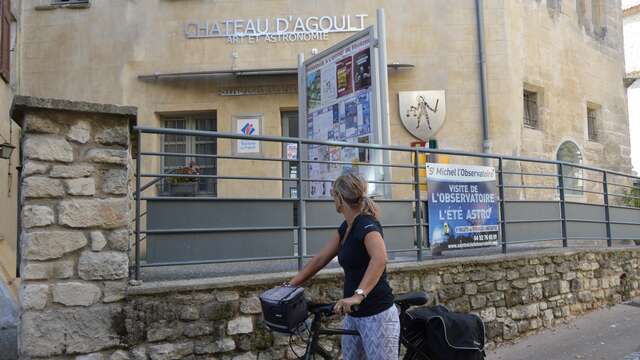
{"points": [[463, 211]]}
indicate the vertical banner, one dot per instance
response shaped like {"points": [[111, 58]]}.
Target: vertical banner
{"points": [[463, 211], [338, 103]]}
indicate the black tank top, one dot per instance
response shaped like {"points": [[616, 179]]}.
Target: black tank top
{"points": [[354, 259]]}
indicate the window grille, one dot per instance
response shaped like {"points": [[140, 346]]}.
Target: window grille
{"points": [[530, 109], [592, 124]]}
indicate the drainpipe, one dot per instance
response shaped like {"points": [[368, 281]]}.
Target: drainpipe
{"points": [[486, 144]]}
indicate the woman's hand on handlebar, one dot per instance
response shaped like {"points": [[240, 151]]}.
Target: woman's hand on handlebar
{"points": [[344, 306]]}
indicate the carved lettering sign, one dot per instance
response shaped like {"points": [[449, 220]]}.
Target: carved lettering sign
{"points": [[259, 90], [279, 29]]}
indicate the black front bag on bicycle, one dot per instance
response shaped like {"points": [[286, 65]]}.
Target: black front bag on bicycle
{"points": [[434, 333], [284, 308]]}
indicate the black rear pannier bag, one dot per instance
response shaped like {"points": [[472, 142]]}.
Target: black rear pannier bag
{"points": [[434, 333]]}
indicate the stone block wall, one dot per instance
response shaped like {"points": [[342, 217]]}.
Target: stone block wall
{"points": [[75, 220], [515, 295]]}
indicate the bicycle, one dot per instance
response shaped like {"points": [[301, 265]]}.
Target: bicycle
{"points": [[404, 302]]}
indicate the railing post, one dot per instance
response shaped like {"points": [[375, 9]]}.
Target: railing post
{"points": [[503, 220], [563, 216], [138, 180], [418, 212], [605, 191], [302, 218]]}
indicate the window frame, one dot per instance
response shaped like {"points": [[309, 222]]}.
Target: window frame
{"points": [[599, 18], [530, 98], [6, 18], [190, 147], [593, 123]]}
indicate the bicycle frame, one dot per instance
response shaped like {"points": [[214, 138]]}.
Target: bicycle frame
{"points": [[403, 302], [313, 346]]}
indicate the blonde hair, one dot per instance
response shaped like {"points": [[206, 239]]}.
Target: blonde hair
{"points": [[351, 188]]}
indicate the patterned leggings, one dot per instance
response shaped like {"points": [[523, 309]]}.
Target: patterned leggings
{"points": [[379, 336]]}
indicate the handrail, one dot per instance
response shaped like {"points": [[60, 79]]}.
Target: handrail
{"points": [[285, 139], [560, 191]]}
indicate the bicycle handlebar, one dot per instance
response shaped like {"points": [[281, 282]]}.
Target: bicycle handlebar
{"points": [[325, 309], [404, 301]]}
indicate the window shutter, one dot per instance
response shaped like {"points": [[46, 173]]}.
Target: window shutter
{"points": [[5, 41]]}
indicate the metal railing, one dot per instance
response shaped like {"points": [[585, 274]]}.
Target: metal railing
{"points": [[547, 185]]}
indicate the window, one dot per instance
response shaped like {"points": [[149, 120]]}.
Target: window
{"points": [[5, 40], [57, 2], [598, 18], [530, 108], [572, 176], [592, 124], [194, 145]]}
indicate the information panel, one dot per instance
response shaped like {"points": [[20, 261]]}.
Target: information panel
{"points": [[339, 106], [463, 212]]}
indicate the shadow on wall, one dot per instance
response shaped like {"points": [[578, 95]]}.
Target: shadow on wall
{"points": [[8, 323]]}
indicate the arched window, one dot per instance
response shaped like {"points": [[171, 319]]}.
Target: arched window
{"points": [[572, 176]]}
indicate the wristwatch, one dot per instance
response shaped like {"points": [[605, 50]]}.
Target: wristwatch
{"points": [[361, 293]]}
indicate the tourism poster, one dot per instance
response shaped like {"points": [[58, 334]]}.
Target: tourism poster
{"points": [[362, 69], [313, 90], [344, 75], [463, 211], [338, 111], [329, 86]]}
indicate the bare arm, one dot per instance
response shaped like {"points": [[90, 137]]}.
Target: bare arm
{"points": [[319, 261], [378, 254]]}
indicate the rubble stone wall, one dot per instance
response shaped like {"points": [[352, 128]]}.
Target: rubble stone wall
{"points": [[75, 219], [515, 295]]}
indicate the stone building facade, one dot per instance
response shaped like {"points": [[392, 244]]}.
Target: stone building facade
{"points": [[564, 56], [9, 174], [567, 56], [632, 68], [9, 133]]}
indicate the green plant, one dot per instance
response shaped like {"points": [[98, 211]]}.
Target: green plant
{"points": [[632, 197]]}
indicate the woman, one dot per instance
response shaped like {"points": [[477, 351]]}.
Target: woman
{"points": [[361, 252]]}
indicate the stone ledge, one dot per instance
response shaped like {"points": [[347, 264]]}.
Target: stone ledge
{"points": [[54, 6], [22, 103], [159, 287]]}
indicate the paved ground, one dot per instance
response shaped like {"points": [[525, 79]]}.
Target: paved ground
{"points": [[8, 344], [8, 321], [611, 334]]}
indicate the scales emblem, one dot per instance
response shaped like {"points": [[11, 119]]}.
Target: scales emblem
{"points": [[422, 112]]}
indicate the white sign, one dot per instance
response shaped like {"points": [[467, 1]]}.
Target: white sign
{"points": [[278, 29], [460, 173], [422, 112], [248, 127]]}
